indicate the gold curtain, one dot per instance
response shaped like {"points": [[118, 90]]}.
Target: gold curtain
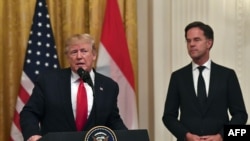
{"points": [[67, 17]]}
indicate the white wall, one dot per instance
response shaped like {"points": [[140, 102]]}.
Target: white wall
{"points": [[162, 49]]}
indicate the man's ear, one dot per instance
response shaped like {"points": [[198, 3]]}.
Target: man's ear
{"points": [[210, 43]]}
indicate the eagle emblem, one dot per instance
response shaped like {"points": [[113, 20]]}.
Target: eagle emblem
{"points": [[100, 133]]}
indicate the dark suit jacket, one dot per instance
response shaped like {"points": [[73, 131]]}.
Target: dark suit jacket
{"points": [[50, 104], [224, 94]]}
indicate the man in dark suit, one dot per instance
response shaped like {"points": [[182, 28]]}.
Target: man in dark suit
{"points": [[52, 105], [202, 120]]}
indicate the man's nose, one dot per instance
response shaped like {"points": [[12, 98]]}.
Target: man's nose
{"points": [[192, 43], [79, 54]]}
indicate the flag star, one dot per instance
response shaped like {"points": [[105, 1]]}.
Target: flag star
{"points": [[55, 56], [47, 45], [38, 53], [40, 4], [28, 61], [47, 55], [47, 16], [46, 64], [39, 14], [38, 62], [48, 25], [39, 43], [36, 72], [55, 66], [48, 35], [39, 24], [29, 51], [39, 34], [30, 42]]}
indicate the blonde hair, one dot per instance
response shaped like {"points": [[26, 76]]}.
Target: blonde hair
{"points": [[84, 38]]}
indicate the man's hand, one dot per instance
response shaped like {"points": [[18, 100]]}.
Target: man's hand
{"points": [[34, 138], [192, 137], [216, 137]]}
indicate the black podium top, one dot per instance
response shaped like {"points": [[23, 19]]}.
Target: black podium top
{"points": [[122, 135]]}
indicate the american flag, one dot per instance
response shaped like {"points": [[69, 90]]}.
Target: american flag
{"points": [[40, 55]]}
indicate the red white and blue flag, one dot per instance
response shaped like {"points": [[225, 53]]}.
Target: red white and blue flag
{"points": [[40, 55], [114, 61]]}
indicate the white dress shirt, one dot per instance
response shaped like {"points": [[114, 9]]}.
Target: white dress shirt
{"points": [[74, 88], [205, 74]]}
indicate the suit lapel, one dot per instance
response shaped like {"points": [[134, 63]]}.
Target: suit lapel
{"points": [[66, 97], [213, 85], [190, 84], [93, 117]]}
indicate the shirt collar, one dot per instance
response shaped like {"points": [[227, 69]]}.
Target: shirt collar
{"points": [[75, 77], [206, 64]]}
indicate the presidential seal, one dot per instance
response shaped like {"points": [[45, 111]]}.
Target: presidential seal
{"points": [[100, 133]]}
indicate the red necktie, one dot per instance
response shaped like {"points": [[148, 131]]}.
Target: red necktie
{"points": [[81, 107]]}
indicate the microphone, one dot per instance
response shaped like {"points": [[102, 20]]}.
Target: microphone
{"points": [[84, 75]]}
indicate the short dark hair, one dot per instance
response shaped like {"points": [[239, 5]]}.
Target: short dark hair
{"points": [[208, 31]]}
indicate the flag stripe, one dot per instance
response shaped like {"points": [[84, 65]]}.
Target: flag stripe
{"points": [[19, 104], [16, 132], [40, 56], [126, 100], [16, 120], [26, 83], [114, 61], [117, 47], [23, 95]]}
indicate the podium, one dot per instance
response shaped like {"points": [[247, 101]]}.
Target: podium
{"points": [[121, 135]]}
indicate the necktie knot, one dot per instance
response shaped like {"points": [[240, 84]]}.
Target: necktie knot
{"points": [[201, 68], [80, 81]]}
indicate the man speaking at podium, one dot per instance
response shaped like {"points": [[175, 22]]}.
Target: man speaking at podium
{"points": [[72, 99]]}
